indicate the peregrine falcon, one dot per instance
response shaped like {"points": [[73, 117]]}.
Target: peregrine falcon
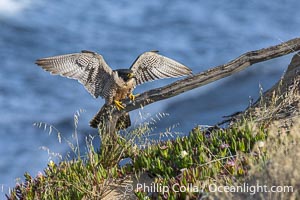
{"points": [[91, 70]]}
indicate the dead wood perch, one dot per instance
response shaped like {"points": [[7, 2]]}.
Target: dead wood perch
{"points": [[201, 79]]}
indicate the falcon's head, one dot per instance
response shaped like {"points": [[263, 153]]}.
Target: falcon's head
{"points": [[125, 74]]}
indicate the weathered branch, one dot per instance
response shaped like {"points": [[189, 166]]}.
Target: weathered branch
{"points": [[211, 75]]}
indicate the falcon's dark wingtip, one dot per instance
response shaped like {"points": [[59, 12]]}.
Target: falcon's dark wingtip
{"points": [[188, 72], [88, 51], [40, 61]]}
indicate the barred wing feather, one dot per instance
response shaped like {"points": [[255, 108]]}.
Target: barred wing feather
{"points": [[150, 66], [88, 67]]}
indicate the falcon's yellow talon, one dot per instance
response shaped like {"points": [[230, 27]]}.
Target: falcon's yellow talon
{"points": [[131, 97], [119, 105]]}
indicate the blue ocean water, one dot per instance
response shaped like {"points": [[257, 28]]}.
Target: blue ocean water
{"points": [[199, 34]]}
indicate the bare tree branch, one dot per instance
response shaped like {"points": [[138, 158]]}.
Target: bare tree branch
{"points": [[208, 76], [214, 74]]}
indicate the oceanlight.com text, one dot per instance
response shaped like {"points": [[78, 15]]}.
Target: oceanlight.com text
{"points": [[244, 188], [251, 189]]}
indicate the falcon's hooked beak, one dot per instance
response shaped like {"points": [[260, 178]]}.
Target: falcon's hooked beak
{"points": [[130, 75]]}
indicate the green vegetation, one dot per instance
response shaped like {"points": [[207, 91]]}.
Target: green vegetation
{"points": [[248, 152], [204, 157]]}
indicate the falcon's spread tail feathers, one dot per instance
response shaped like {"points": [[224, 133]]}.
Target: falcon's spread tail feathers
{"points": [[98, 120]]}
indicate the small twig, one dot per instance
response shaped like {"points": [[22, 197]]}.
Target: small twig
{"points": [[217, 160]]}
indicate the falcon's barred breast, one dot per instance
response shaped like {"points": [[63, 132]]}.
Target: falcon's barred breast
{"points": [[91, 70]]}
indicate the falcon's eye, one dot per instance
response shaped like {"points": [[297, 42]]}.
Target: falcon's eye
{"points": [[130, 75]]}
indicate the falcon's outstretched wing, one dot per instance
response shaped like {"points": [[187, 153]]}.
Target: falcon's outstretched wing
{"points": [[150, 66], [88, 67]]}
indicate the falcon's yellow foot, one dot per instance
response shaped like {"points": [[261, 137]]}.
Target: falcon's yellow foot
{"points": [[119, 105], [131, 97]]}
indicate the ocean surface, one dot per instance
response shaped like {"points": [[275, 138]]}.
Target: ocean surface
{"points": [[199, 34]]}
